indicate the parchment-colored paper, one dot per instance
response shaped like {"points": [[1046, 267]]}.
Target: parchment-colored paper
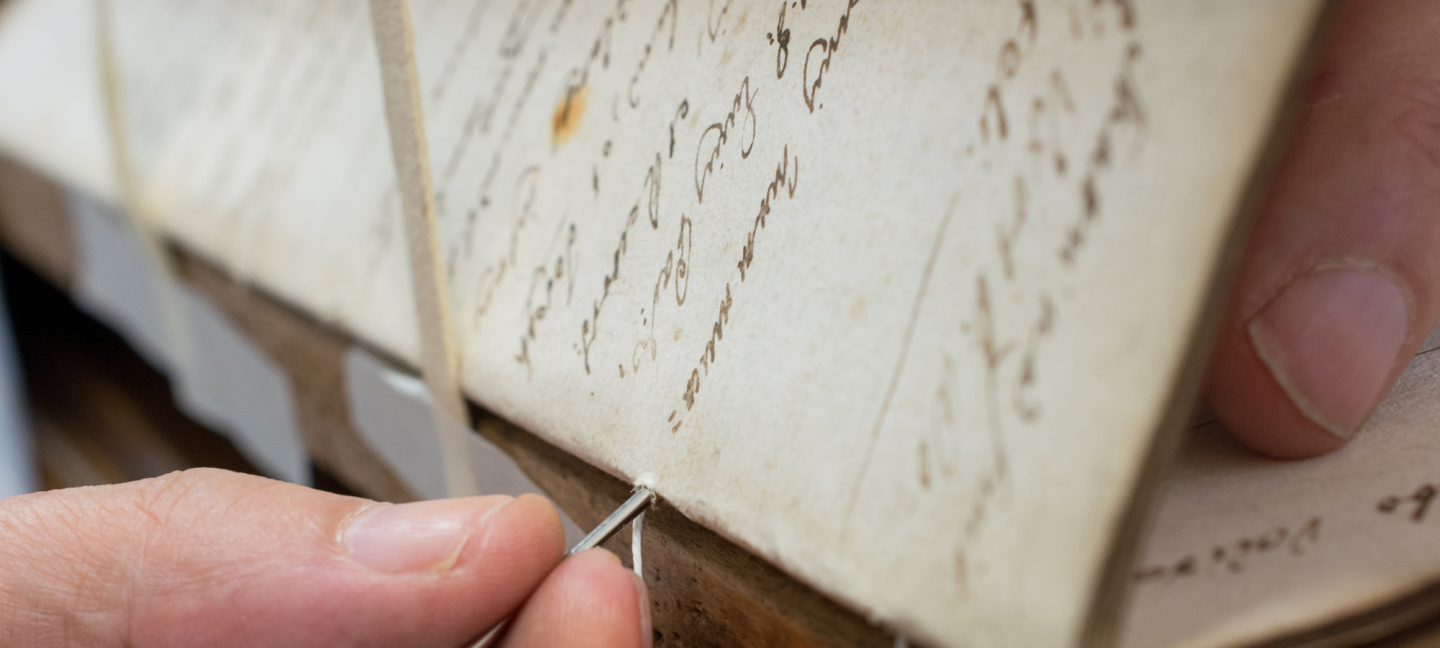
{"points": [[892, 293], [1247, 548]]}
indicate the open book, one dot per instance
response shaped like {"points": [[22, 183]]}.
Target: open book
{"points": [[908, 298]]}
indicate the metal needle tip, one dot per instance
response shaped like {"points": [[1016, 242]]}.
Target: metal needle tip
{"points": [[622, 516], [638, 502]]}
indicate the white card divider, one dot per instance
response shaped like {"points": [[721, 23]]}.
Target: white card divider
{"points": [[391, 410], [17, 467], [219, 376], [116, 281], [231, 385]]}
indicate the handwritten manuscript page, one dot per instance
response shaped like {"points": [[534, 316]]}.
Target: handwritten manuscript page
{"points": [[894, 294], [1248, 549]]}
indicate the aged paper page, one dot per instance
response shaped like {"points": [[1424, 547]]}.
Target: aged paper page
{"points": [[257, 132], [1247, 549], [52, 114], [893, 294]]}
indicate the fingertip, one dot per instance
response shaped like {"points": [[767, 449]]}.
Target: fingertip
{"points": [[1340, 282], [516, 545], [529, 520], [598, 555], [591, 599], [508, 547], [1255, 409], [418, 536]]}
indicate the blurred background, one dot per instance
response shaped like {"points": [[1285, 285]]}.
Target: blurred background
{"points": [[79, 407]]}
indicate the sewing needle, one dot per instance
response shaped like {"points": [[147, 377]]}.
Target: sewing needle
{"points": [[641, 500]]}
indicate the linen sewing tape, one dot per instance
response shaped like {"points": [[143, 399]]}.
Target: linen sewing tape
{"points": [[439, 357], [179, 341]]}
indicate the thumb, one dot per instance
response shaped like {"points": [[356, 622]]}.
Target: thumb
{"points": [[213, 558], [1341, 282]]}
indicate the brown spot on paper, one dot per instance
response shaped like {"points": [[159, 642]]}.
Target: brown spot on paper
{"points": [[566, 120]]}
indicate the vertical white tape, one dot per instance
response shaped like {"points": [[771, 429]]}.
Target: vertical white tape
{"points": [[439, 359], [175, 332], [220, 377]]}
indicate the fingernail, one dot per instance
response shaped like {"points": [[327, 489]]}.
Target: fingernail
{"points": [[647, 628], [417, 537], [1331, 339]]}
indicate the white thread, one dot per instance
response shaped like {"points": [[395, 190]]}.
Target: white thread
{"points": [[635, 558]]}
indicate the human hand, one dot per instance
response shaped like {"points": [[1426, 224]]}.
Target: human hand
{"points": [[1340, 283], [214, 558]]}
